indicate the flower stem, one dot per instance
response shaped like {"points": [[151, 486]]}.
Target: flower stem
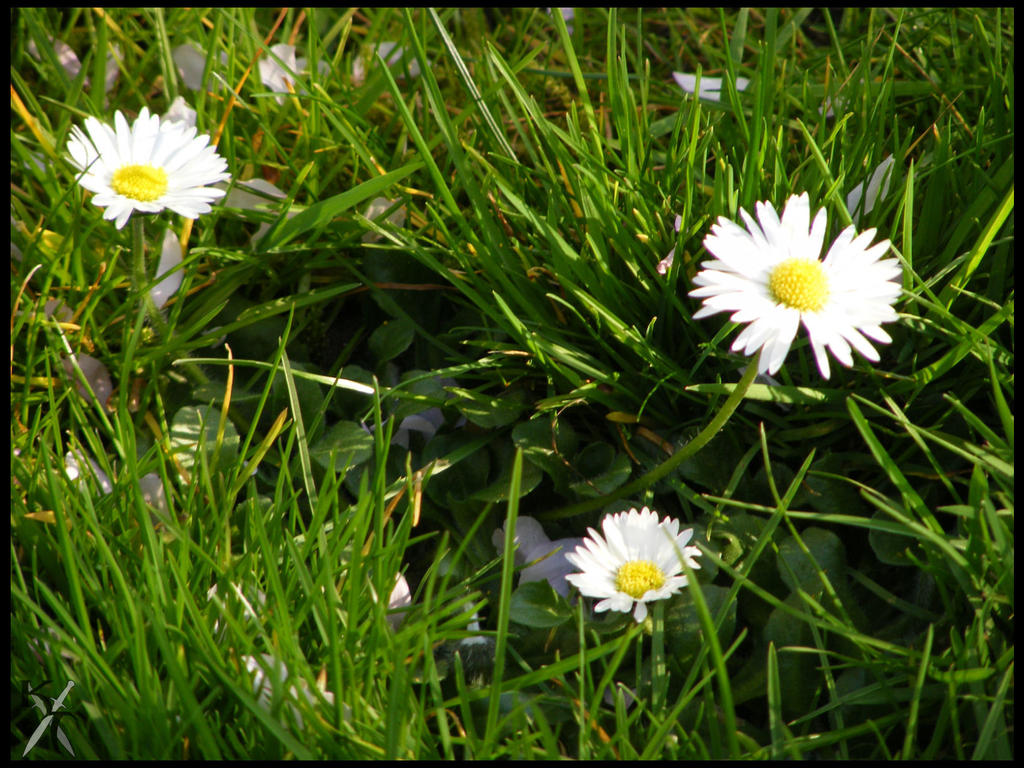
{"points": [[672, 462], [139, 282], [140, 279], [659, 670]]}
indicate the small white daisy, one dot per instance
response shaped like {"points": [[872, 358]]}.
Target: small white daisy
{"points": [[637, 561], [770, 276], [147, 167]]}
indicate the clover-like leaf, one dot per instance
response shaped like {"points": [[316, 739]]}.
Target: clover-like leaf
{"points": [[194, 428], [536, 604], [348, 441]]}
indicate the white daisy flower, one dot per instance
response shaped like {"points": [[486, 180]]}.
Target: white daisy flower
{"points": [[77, 464], [830, 105], [237, 602], [639, 560], [279, 78], [153, 493], [770, 276], [147, 167], [568, 14]]}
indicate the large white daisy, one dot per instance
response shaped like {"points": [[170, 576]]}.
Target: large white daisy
{"points": [[639, 560], [146, 167], [770, 276]]}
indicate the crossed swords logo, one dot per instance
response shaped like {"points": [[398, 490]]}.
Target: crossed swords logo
{"points": [[49, 718]]}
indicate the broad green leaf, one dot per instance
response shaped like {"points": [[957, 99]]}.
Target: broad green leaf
{"points": [[485, 411], [195, 426], [536, 604], [459, 477], [604, 470], [548, 446], [833, 494], [682, 625], [825, 554], [348, 441], [391, 339], [889, 547], [498, 490], [427, 389], [796, 670]]}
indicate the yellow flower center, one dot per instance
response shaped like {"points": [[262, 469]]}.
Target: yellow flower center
{"points": [[800, 284], [637, 577], [140, 182]]}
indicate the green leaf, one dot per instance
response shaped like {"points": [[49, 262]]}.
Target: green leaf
{"points": [[825, 554], [195, 426], [536, 604], [604, 470], [961, 676], [796, 671], [308, 394], [418, 391], [391, 339], [980, 249], [547, 443], [488, 412], [682, 625], [889, 547], [499, 489], [348, 441], [466, 473], [834, 494], [712, 466]]}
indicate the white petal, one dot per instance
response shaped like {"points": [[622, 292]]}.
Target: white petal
{"points": [[181, 112], [170, 258], [400, 597], [877, 187], [641, 611], [190, 62], [776, 348]]}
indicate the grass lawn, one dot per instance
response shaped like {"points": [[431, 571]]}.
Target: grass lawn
{"points": [[304, 428]]}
